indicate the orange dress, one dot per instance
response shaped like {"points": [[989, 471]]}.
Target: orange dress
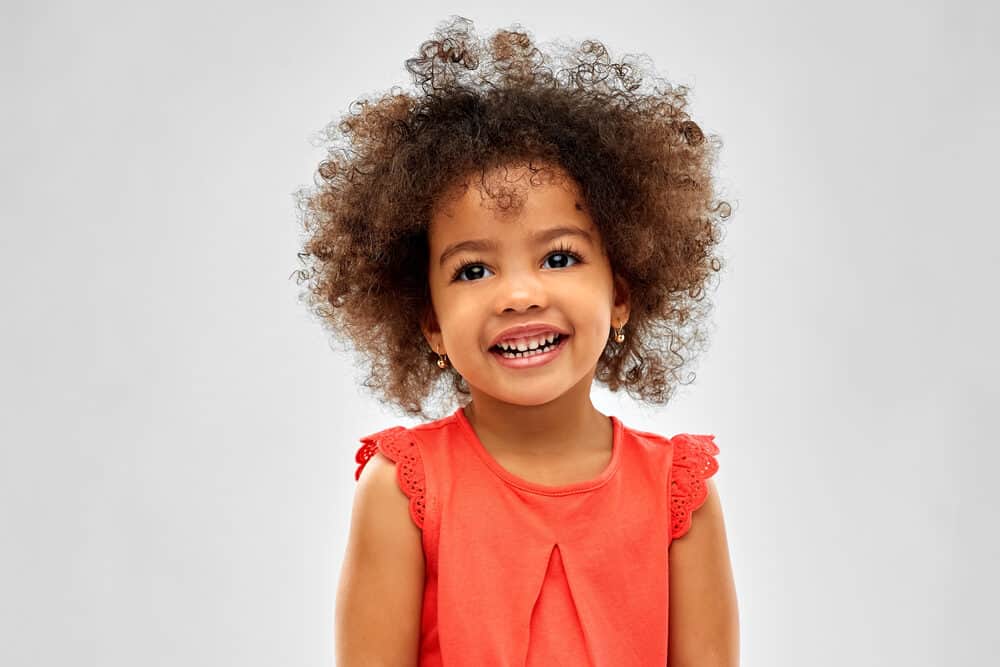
{"points": [[519, 573]]}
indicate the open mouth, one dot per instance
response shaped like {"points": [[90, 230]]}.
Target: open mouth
{"points": [[510, 352]]}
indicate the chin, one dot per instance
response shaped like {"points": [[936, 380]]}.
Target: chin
{"points": [[523, 391], [526, 396]]}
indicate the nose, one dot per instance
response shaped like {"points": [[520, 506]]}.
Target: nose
{"points": [[520, 291]]}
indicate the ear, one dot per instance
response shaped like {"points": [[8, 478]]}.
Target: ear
{"points": [[431, 329], [622, 304]]}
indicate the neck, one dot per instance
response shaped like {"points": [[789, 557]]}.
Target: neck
{"points": [[566, 424]]}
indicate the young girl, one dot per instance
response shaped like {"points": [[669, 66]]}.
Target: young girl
{"points": [[499, 241]]}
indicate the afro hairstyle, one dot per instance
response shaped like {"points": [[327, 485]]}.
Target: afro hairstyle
{"points": [[643, 165]]}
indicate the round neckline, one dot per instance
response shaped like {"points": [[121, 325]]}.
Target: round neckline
{"points": [[544, 489]]}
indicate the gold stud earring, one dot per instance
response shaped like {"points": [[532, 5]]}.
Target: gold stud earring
{"points": [[619, 336], [442, 360]]}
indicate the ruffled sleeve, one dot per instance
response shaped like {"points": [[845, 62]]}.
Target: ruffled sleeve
{"points": [[399, 445], [693, 463]]}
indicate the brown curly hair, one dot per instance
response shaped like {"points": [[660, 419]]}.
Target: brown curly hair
{"points": [[644, 166]]}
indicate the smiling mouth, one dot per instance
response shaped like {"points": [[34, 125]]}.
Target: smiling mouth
{"points": [[518, 354]]}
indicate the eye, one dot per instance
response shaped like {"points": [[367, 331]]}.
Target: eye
{"points": [[469, 270], [564, 252], [560, 259]]}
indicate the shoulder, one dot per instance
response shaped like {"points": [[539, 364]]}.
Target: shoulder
{"points": [[683, 444], [395, 453], [689, 460], [380, 503]]}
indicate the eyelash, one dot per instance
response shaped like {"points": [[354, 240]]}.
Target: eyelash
{"points": [[561, 249]]}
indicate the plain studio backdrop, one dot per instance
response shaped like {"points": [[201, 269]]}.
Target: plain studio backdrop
{"points": [[178, 434]]}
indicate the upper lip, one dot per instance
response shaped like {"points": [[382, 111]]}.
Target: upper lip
{"points": [[526, 330]]}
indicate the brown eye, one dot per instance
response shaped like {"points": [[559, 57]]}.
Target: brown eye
{"points": [[561, 260], [470, 271]]}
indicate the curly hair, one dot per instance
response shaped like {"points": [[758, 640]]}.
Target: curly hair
{"points": [[644, 167]]}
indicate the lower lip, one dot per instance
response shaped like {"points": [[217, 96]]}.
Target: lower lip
{"points": [[533, 360]]}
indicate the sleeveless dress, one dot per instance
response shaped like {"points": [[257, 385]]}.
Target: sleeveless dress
{"points": [[519, 573]]}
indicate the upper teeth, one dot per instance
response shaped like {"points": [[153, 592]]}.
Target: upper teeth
{"points": [[522, 344]]}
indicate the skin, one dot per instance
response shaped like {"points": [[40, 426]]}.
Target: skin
{"points": [[538, 422], [704, 627]]}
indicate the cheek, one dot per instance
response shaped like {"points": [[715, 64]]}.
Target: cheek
{"points": [[460, 320], [596, 298], [600, 323]]}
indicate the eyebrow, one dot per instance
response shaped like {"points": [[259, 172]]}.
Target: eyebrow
{"points": [[539, 237]]}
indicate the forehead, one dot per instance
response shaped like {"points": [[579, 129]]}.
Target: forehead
{"points": [[506, 199]]}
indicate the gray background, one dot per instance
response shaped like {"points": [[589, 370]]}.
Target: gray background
{"points": [[178, 437]]}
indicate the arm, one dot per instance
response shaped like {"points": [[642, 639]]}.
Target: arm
{"points": [[381, 586], [704, 618]]}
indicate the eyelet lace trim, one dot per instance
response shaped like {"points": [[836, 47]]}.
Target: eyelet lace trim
{"points": [[694, 462], [397, 444]]}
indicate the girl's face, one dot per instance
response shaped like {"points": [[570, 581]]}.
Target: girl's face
{"points": [[540, 263]]}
